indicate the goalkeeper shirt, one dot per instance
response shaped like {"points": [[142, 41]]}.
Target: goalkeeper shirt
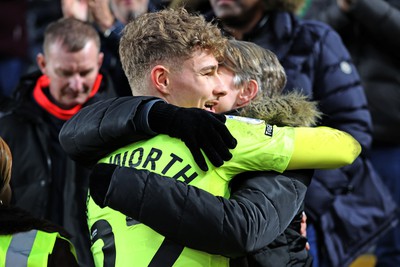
{"points": [[121, 241]]}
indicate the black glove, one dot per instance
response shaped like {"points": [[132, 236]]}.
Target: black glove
{"points": [[99, 181], [198, 128]]}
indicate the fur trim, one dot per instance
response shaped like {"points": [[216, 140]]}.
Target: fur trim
{"points": [[291, 109]]}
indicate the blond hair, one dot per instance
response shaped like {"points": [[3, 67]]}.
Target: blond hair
{"points": [[166, 37], [249, 61]]}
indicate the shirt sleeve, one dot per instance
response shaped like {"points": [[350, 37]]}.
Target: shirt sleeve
{"points": [[323, 148], [260, 146], [263, 147]]}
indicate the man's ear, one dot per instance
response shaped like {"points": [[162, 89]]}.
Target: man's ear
{"points": [[247, 94], [159, 78], [41, 62]]}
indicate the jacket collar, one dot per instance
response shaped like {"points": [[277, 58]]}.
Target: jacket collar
{"points": [[280, 23]]}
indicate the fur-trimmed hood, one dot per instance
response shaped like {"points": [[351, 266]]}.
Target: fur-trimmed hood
{"points": [[291, 109]]}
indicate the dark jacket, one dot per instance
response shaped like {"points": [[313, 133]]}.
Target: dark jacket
{"points": [[368, 32], [238, 228], [44, 180], [350, 206], [259, 210]]}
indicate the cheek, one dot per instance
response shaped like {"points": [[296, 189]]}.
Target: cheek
{"points": [[90, 80], [58, 83], [141, 3], [189, 98], [228, 102], [224, 105], [56, 90], [189, 92], [227, 79]]}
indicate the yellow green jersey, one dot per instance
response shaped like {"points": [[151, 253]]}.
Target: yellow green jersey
{"points": [[259, 147]]}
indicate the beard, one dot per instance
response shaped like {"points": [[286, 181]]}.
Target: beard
{"points": [[241, 18], [132, 15], [236, 22]]}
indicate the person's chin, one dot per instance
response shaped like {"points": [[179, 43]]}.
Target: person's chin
{"points": [[223, 12], [70, 104]]}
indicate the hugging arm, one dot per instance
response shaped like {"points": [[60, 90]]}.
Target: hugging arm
{"points": [[261, 207], [101, 128], [107, 125], [323, 148]]}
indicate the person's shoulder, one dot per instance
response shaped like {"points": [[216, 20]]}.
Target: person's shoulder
{"points": [[315, 25], [21, 119], [13, 116], [318, 32]]}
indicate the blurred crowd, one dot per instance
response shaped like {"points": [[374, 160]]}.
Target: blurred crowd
{"points": [[343, 54]]}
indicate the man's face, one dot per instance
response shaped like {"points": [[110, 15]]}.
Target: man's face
{"points": [[71, 75], [202, 84], [130, 9], [228, 102], [235, 11]]}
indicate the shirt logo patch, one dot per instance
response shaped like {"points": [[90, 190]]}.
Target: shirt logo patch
{"points": [[269, 130], [345, 67]]}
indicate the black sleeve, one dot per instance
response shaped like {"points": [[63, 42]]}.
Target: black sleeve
{"points": [[261, 207], [102, 127]]}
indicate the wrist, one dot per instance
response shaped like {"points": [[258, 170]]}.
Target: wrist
{"points": [[160, 116], [140, 117], [141, 120]]}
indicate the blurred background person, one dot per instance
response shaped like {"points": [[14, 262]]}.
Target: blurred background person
{"points": [[45, 180], [371, 32]]}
